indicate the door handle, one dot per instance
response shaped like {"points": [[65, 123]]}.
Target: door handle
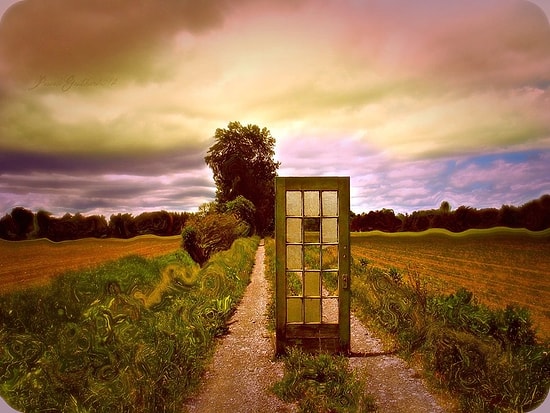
{"points": [[345, 281]]}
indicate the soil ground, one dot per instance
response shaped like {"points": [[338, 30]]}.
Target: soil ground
{"points": [[26, 264], [244, 369]]}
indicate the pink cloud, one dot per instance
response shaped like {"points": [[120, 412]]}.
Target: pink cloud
{"points": [[503, 175]]}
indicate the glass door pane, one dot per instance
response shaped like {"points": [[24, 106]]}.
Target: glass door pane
{"points": [[311, 204], [313, 310], [294, 257], [330, 203], [294, 284], [312, 284], [294, 230], [312, 257], [293, 203], [330, 310], [294, 310], [329, 229]]}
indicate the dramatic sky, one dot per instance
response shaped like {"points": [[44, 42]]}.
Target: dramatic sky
{"points": [[110, 106]]}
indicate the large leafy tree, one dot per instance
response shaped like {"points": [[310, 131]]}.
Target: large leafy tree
{"points": [[242, 162]]}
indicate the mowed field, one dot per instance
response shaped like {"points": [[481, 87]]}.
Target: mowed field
{"points": [[500, 265], [32, 263]]}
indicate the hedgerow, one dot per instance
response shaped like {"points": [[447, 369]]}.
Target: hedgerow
{"points": [[131, 335]]}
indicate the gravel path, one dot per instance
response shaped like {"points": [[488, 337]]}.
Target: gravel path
{"points": [[396, 387], [243, 368]]}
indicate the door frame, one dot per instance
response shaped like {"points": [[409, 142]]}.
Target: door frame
{"points": [[313, 337]]}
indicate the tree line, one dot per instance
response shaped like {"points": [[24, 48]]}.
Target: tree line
{"points": [[23, 224], [533, 215]]}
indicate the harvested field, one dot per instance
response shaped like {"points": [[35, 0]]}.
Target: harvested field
{"points": [[500, 266], [33, 263]]}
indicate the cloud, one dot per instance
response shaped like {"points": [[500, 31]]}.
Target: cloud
{"points": [[159, 163], [471, 43], [511, 177], [105, 194], [116, 122], [395, 94], [422, 79], [63, 36], [175, 181], [479, 181]]}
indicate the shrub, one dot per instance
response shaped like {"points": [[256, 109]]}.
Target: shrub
{"points": [[461, 312], [243, 209], [395, 275], [206, 234], [364, 261], [513, 327]]}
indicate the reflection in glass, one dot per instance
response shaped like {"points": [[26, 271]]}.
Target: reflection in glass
{"points": [[330, 230], [311, 204], [294, 257], [294, 284], [294, 230], [312, 257], [330, 310], [330, 257], [293, 203], [313, 310], [330, 283], [294, 310], [312, 284], [330, 203]]}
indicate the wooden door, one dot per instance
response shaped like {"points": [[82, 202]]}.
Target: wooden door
{"points": [[312, 263]]}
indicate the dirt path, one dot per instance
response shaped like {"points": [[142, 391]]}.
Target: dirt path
{"points": [[243, 368]]}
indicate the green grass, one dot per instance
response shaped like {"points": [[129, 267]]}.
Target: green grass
{"points": [[269, 271], [322, 383], [131, 335]]}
